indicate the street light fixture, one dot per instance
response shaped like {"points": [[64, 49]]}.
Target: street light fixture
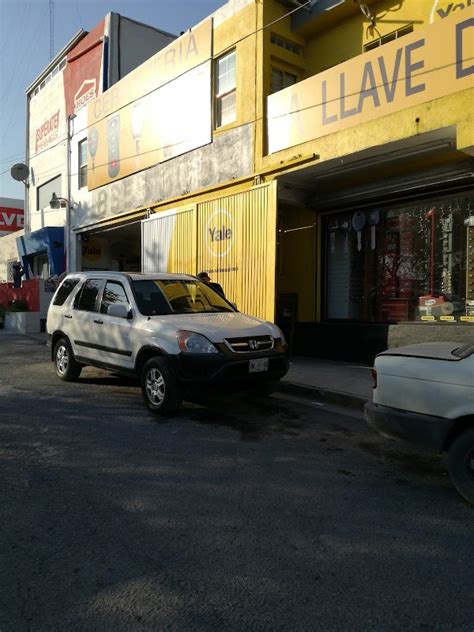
{"points": [[55, 203]]}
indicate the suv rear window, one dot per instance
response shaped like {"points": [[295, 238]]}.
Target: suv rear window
{"points": [[86, 298], [64, 290]]}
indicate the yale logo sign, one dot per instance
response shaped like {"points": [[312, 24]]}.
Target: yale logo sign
{"points": [[219, 233], [413, 70], [92, 250]]}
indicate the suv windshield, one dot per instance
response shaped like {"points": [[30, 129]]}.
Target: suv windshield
{"points": [[177, 296]]}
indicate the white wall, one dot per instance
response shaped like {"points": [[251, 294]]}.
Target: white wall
{"points": [[47, 150], [8, 252]]}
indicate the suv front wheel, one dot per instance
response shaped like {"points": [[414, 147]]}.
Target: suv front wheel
{"points": [[66, 367], [161, 390]]}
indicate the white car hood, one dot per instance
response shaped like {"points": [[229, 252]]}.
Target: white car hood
{"points": [[217, 326]]}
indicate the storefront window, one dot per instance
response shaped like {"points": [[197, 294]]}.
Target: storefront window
{"points": [[402, 263]]}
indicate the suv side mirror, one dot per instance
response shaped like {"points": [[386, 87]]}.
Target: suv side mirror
{"points": [[118, 310]]}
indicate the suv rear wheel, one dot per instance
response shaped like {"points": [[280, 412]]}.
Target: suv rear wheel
{"points": [[66, 367], [461, 464], [160, 388]]}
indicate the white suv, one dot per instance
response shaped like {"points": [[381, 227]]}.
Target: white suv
{"points": [[173, 332]]}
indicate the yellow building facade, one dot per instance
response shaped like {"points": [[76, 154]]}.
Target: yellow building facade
{"points": [[351, 222]]}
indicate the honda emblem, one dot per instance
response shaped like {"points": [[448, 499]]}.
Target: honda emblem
{"points": [[253, 344]]}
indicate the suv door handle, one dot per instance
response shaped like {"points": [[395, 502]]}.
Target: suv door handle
{"points": [[99, 322], [67, 316]]}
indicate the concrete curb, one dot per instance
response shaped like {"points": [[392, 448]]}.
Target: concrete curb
{"points": [[339, 398]]}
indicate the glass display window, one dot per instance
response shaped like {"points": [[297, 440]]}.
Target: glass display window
{"points": [[401, 263]]}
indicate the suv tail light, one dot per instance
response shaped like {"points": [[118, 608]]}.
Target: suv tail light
{"points": [[373, 373]]}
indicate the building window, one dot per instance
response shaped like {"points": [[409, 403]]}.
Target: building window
{"points": [[226, 101], [47, 79], [281, 79], [402, 263], [405, 30], [45, 192], [82, 153], [286, 44]]}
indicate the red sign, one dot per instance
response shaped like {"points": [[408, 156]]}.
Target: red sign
{"points": [[82, 72], [47, 132], [11, 219]]}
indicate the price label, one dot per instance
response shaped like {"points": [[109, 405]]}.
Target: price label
{"points": [[448, 319], [428, 318], [467, 319]]}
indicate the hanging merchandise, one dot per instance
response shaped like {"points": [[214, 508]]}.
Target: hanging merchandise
{"points": [[345, 227], [333, 225], [358, 222], [374, 218]]}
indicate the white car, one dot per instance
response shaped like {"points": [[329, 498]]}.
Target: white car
{"points": [[424, 394], [173, 332]]}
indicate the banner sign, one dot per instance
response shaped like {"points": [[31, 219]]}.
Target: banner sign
{"points": [[427, 64], [11, 219], [160, 110]]}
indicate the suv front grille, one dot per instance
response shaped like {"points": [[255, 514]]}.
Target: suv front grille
{"points": [[251, 344]]}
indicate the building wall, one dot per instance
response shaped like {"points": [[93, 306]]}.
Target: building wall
{"points": [[131, 43], [345, 41], [227, 157], [47, 149], [230, 154], [8, 253]]}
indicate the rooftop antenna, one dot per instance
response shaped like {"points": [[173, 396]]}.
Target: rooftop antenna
{"points": [[51, 29]]}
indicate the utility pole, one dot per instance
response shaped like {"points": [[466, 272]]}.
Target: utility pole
{"points": [[51, 29]]}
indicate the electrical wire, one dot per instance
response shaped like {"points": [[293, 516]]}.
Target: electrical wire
{"points": [[241, 125], [253, 121]]}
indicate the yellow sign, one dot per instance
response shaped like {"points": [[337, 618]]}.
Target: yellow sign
{"points": [[92, 250], [467, 319], [160, 110], [425, 65], [449, 319], [428, 318]]}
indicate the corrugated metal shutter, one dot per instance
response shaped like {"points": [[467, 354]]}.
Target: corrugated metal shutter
{"points": [[169, 241], [392, 189], [236, 244]]}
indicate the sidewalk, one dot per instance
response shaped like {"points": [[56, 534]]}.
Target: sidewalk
{"points": [[336, 382]]}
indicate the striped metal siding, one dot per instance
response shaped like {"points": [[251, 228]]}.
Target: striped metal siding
{"points": [[169, 241], [242, 260], [182, 256]]}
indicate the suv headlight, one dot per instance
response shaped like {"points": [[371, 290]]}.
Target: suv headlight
{"points": [[283, 339], [190, 342]]}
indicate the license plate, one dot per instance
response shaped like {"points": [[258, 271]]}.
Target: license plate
{"points": [[256, 366]]}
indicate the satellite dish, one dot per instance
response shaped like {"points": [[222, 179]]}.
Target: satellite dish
{"points": [[20, 172]]}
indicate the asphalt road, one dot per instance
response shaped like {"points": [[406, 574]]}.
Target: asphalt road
{"points": [[270, 515]]}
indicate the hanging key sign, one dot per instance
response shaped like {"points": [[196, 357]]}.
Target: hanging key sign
{"points": [[345, 227], [374, 218], [333, 225], [358, 223]]}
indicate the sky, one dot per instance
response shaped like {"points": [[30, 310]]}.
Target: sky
{"points": [[25, 52]]}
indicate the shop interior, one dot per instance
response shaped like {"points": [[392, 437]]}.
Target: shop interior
{"points": [[115, 248], [362, 246]]}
